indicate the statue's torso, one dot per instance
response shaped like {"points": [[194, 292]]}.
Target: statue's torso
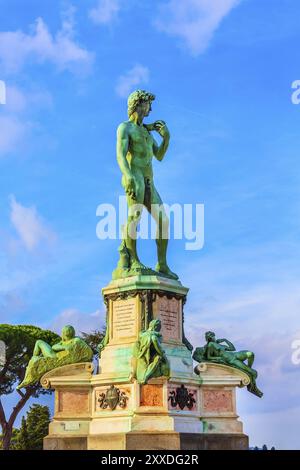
{"points": [[217, 349], [140, 150]]}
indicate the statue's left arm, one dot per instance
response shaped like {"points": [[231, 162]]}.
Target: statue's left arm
{"points": [[230, 346], [209, 353], [157, 346], [58, 347], [211, 356], [159, 151]]}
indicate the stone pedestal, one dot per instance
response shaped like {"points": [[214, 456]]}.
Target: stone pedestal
{"points": [[218, 398], [131, 304], [111, 410], [73, 406], [144, 418]]}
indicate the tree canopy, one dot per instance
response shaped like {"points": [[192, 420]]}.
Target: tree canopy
{"points": [[34, 428], [19, 343]]}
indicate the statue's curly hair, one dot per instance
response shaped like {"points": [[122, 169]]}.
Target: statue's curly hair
{"points": [[153, 323], [137, 97], [69, 330], [209, 335]]}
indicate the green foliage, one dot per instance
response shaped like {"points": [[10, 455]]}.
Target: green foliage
{"points": [[19, 341], [22, 439], [13, 441], [34, 428], [93, 339]]}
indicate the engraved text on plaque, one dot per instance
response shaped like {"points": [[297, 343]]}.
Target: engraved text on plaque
{"points": [[169, 313], [124, 319]]}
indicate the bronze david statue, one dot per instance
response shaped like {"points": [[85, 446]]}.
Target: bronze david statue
{"points": [[136, 148]]}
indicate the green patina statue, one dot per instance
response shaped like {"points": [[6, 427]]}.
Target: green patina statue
{"points": [[149, 358], [135, 150], [69, 350], [222, 351]]}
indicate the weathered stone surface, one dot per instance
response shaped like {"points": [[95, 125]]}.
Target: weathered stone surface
{"points": [[169, 313], [80, 372], [218, 400], [124, 319], [65, 443], [73, 402], [151, 441], [214, 441], [144, 282], [151, 395], [141, 296], [135, 441]]}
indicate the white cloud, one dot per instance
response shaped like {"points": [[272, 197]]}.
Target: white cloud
{"points": [[17, 48], [82, 322], [31, 229], [13, 131], [10, 303], [19, 100], [105, 12], [16, 100], [130, 80], [250, 295], [2, 92], [14, 123], [194, 21]]}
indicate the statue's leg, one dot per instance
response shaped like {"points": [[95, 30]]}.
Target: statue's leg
{"points": [[151, 369], [238, 363], [158, 212], [165, 368], [44, 349], [135, 208], [246, 356], [250, 356]]}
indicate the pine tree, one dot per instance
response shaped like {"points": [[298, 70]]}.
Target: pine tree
{"points": [[93, 339], [38, 419], [22, 440], [19, 341], [33, 428]]}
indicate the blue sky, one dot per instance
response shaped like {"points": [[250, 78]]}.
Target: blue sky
{"points": [[222, 71]]}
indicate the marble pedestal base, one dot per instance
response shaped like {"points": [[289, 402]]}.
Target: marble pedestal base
{"points": [[111, 410], [168, 441], [149, 441], [148, 421]]}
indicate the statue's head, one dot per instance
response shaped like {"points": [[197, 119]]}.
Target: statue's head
{"points": [[155, 325], [140, 101], [210, 336], [67, 333]]}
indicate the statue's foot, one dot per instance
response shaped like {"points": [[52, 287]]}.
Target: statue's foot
{"points": [[137, 266], [253, 388], [22, 385], [166, 271]]}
